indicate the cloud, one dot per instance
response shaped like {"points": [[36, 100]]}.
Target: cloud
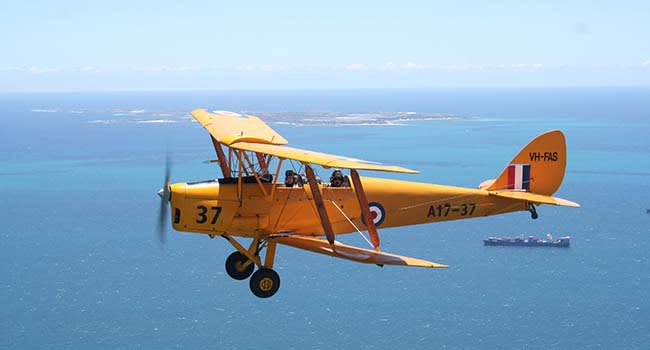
{"points": [[10, 69], [415, 66], [87, 69], [245, 67], [165, 68], [251, 68], [47, 70], [527, 66], [44, 70], [388, 66], [406, 67], [356, 66], [461, 67], [266, 67]]}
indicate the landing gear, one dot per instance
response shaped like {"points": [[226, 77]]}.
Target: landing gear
{"points": [[264, 283], [533, 211], [239, 267]]}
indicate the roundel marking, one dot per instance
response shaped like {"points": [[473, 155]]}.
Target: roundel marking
{"points": [[377, 212]]}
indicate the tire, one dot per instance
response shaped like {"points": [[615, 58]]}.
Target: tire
{"points": [[234, 266], [264, 283]]}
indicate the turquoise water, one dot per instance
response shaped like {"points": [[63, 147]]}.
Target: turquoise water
{"points": [[80, 266]]}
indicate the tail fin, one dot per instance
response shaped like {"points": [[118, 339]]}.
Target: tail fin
{"points": [[538, 168]]}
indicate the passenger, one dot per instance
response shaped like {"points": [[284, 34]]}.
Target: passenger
{"points": [[337, 179], [346, 181]]}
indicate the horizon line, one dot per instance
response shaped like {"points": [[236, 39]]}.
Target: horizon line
{"points": [[450, 87]]}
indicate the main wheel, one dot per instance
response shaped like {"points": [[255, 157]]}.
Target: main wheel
{"points": [[264, 283], [235, 266]]}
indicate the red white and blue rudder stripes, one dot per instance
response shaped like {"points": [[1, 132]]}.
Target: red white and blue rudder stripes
{"points": [[519, 177]]}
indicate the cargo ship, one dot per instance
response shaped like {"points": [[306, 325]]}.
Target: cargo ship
{"points": [[528, 242]]}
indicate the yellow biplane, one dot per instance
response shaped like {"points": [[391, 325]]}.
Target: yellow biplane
{"points": [[250, 201]]}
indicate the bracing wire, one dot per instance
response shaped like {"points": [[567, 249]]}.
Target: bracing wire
{"points": [[352, 223], [286, 201]]}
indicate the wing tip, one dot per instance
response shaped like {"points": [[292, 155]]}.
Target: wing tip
{"points": [[437, 266], [411, 171], [423, 263], [567, 203]]}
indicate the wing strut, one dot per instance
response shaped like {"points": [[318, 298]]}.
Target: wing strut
{"points": [[264, 168], [365, 208], [225, 168], [320, 204]]}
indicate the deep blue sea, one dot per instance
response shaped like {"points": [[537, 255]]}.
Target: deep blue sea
{"points": [[80, 266]]}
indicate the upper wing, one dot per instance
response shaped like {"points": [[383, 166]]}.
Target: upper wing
{"points": [[340, 250], [252, 134], [324, 159], [229, 127]]}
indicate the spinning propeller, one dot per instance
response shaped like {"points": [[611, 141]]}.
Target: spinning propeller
{"points": [[164, 194]]}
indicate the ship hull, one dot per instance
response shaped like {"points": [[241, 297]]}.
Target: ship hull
{"points": [[526, 243]]}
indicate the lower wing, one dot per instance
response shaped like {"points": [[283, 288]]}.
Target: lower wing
{"points": [[343, 251]]}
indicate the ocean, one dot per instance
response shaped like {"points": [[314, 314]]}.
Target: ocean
{"points": [[81, 267]]}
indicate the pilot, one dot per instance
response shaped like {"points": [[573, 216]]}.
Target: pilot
{"points": [[289, 178], [337, 179]]}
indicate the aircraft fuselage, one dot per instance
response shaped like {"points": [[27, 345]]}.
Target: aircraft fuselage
{"points": [[259, 209]]}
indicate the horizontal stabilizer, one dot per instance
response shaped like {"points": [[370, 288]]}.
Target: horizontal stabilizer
{"points": [[535, 198], [344, 251]]}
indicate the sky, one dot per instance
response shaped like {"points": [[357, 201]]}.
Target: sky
{"points": [[197, 45]]}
